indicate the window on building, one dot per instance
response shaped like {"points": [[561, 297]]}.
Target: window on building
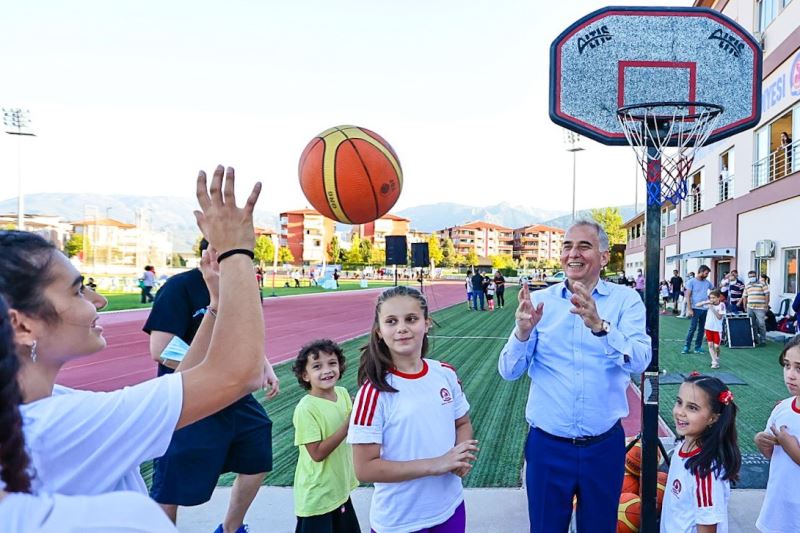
{"points": [[777, 149], [767, 11], [790, 270], [694, 199], [726, 174]]}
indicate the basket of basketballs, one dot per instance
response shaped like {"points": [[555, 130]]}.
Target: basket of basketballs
{"points": [[629, 511]]}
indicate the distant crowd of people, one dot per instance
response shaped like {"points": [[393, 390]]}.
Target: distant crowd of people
{"points": [[485, 290]]}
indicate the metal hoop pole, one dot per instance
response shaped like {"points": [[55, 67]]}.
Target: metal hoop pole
{"points": [[649, 475]]}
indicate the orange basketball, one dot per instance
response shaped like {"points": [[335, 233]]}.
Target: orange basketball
{"points": [[630, 484], [661, 486], [350, 174], [633, 459], [628, 514]]}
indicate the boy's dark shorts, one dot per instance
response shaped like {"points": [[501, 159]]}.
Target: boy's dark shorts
{"points": [[237, 439], [343, 519]]}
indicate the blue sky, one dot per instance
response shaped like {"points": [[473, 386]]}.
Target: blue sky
{"points": [[135, 97]]}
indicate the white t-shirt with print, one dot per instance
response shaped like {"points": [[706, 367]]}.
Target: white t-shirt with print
{"points": [[417, 422], [690, 499], [712, 322], [117, 512], [86, 443], [780, 511]]}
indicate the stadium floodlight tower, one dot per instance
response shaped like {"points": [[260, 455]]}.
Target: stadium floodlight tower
{"points": [[17, 122], [665, 81]]}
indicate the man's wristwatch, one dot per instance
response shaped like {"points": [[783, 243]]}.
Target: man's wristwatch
{"points": [[604, 329]]}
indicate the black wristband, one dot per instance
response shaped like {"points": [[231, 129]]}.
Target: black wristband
{"points": [[225, 255]]}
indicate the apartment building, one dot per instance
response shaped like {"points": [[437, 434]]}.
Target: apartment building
{"points": [[114, 247], [484, 238], [744, 190], [377, 230], [538, 243], [307, 234]]}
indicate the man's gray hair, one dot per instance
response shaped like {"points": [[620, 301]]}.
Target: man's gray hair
{"points": [[602, 236]]}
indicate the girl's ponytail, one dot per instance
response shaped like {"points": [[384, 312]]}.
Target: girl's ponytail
{"points": [[719, 442], [376, 360]]}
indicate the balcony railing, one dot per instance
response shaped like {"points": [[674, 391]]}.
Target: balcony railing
{"points": [[725, 188], [776, 165], [693, 202]]}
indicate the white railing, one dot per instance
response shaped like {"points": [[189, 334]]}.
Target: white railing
{"points": [[693, 203], [726, 188], [776, 165]]}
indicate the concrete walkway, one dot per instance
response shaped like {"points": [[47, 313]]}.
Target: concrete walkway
{"points": [[488, 511]]}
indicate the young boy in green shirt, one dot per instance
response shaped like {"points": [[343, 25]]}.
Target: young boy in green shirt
{"points": [[325, 475]]}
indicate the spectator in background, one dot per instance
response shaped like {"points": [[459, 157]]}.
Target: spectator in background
{"points": [[500, 283], [477, 290], [696, 297], [639, 284], [732, 288], [755, 302], [765, 281], [147, 282], [676, 289], [91, 284], [785, 165]]}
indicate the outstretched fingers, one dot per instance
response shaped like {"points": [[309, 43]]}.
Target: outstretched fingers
{"points": [[250, 206], [215, 190], [202, 191], [228, 195]]}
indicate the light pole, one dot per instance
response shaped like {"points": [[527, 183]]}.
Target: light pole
{"points": [[573, 143], [18, 120]]}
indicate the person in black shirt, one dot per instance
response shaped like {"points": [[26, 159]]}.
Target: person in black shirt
{"points": [[477, 290], [500, 283], [676, 285]]}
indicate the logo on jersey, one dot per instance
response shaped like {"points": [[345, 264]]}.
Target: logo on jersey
{"points": [[676, 487], [446, 397]]}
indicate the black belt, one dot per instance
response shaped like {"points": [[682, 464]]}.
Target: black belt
{"points": [[581, 441]]}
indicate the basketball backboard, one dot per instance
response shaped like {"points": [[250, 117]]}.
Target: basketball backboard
{"points": [[620, 56]]}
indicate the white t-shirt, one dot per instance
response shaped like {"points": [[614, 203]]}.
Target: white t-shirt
{"points": [[712, 322], [118, 512], [86, 443], [780, 511], [417, 422], [690, 500]]}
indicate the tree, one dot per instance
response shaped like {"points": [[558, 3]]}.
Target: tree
{"points": [[334, 250], [459, 260], [354, 254], [74, 245], [264, 250], [502, 261], [472, 258], [365, 247], [610, 219], [448, 253], [285, 255], [377, 256], [434, 250], [196, 247]]}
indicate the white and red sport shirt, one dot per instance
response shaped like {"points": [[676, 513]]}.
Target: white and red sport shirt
{"points": [[416, 422], [691, 499]]}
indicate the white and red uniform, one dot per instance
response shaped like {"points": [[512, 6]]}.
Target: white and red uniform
{"points": [[781, 508], [691, 500], [417, 422]]}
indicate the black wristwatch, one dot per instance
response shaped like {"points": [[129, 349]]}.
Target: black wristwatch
{"points": [[604, 329]]}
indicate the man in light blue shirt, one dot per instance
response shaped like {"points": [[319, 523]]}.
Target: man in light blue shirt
{"points": [[696, 295], [579, 341]]}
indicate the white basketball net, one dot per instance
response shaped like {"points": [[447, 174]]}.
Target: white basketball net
{"points": [[676, 130]]}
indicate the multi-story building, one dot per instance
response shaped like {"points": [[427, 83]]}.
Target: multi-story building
{"points": [[484, 238], [51, 227], [307, 234], [415, 235], [746, 188], [538, 243], [377, 230], [115, 247]]}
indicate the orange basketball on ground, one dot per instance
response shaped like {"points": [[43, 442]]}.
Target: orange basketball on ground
{"points": [[350, 174], [633, 459], [629, 514], [661, 486], [630, 484]]}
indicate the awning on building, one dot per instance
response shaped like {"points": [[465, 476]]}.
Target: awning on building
{"points": [[708, 252]]}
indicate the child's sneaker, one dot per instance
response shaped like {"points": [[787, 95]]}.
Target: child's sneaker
{"points": [[714, 365], [242, 529]]}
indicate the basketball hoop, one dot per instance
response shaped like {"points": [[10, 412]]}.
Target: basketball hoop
{"points": [[676, 130]]}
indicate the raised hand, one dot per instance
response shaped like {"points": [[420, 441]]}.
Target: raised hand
{"points": [[526, 316], [585, 306], [458, 458], [223, 224], [210, 269]]}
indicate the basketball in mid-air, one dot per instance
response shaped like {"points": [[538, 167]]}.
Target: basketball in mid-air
{"points": [[350, 174]]}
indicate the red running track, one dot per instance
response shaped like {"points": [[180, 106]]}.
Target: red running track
{"points": [[289, 321]]}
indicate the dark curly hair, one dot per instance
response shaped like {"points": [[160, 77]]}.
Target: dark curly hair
{"points": [[13, 457], [313, 350], [25, 272]]}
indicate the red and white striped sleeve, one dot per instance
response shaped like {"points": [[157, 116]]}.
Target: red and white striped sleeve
{"points": [[709, 497], [366, 419]]}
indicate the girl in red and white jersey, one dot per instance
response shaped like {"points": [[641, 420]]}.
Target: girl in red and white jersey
{"points": [[779, 443], [410, 431], [707, 461]]}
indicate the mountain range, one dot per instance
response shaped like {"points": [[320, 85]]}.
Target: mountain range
{"points": [[174, 214]]}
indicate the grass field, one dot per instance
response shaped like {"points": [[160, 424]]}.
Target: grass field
{"points": [[119, 301], [471, 341]]}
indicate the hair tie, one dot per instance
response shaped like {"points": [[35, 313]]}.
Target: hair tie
{"points": [[694, 374], [725, 397], [225, 255]]}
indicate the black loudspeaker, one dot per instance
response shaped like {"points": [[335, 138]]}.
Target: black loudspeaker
{"points": [[419, 255], [396, 250]]}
